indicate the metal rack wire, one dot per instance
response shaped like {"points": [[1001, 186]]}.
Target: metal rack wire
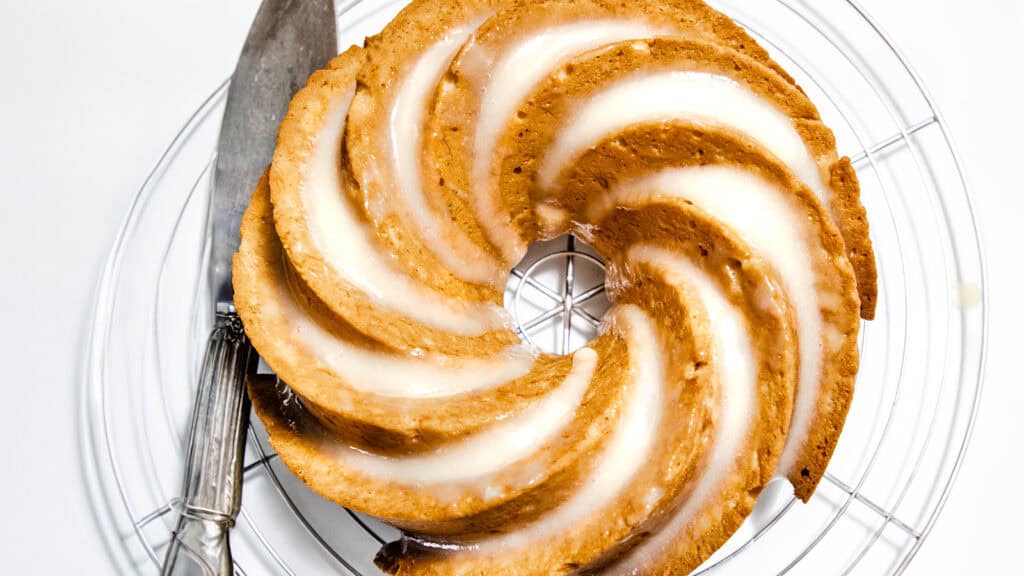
{"points": [[135, 397]]}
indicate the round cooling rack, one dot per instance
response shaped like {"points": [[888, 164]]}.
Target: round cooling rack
{"points": [[908, 428]]}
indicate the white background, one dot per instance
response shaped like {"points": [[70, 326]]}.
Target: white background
{"points": [[91, 92]]}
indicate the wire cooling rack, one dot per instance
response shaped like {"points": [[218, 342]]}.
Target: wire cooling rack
{"points": [[917, 391]]}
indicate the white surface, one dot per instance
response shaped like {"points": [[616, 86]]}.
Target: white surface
{"points": [[93, 92]]}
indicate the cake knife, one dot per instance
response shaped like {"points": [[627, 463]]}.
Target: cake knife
{"points": [[288, 40]]}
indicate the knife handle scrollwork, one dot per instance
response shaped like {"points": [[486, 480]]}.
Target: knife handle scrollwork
{"points": [[212, 489]]}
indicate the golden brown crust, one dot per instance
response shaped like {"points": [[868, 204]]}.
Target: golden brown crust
{"points": [[859, 249], [364, 419], [543, 116], [645, 149], [458, 99], [744, 280], [390, 58], [465, 511], [457, 102], [297, 137]]}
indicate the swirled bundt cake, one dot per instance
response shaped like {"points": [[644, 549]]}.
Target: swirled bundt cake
{"points": [[410, 176]]}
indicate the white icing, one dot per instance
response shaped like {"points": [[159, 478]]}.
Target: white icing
{"points": [[735, 363], [495, 448], [682, 95], [969, 295], [409, 377], [771, 224], [393, 375], [551, 220], [451, 246], [352, 253], [628, 448], [511, 80]]}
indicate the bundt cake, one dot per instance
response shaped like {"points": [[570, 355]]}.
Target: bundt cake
{"points": [[410, 176]]}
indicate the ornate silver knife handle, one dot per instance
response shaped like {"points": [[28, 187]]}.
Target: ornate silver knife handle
{"points": [[212, 491]]}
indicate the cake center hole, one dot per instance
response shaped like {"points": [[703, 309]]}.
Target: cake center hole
{"points": [[557, 296]]}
